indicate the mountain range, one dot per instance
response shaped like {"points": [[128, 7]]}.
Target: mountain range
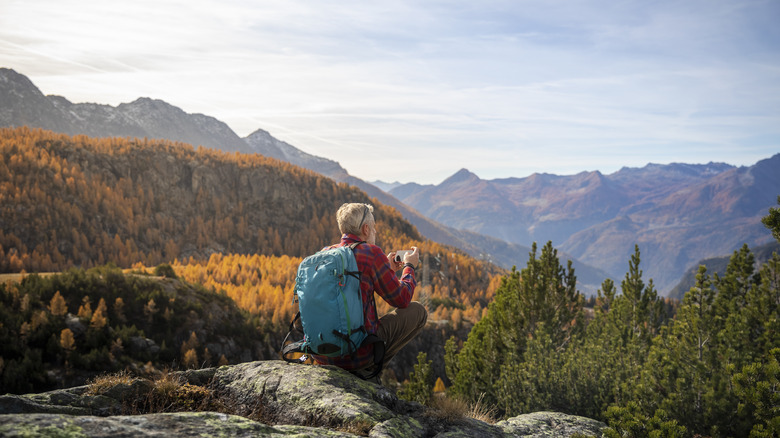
{"points": [[677, 213]]}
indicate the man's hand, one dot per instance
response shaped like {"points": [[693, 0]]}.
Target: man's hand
{"points": [[395, 264], [413, 257]]}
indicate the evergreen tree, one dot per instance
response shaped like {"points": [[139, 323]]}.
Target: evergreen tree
{"points": [[540, 301], [606, 363], [682, 372], [420, 386], [758, 389], [772, 220], [641, 310], [730, 318]]}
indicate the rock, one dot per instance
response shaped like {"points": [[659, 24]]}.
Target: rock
{"points": [[169, 425], [141, 345], [550, 424], [265, 398], [289, 393], [75, 325]]}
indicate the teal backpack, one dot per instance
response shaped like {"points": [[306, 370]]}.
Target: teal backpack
{"points": [[327, 289]]}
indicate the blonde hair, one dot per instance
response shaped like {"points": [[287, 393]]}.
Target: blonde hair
{"points": [[352, 216]]}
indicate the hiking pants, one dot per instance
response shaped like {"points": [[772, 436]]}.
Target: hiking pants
{"points": [[400, 326]]}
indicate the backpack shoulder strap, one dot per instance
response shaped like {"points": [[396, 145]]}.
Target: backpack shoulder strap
{"points": [[352, 246]]}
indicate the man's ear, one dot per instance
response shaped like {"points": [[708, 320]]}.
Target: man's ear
{"points": [[365, 230]]}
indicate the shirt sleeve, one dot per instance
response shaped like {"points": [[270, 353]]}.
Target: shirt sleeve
{"points": [[397, 293]]}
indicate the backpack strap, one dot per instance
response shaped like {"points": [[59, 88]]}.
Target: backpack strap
{"points": [[291, 348], [379, 355], [355, 274]]}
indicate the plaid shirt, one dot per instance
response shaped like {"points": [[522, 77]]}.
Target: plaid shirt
{"points": [[376, 275]]}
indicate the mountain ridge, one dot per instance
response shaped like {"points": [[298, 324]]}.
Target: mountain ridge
{"points": [[669, 210]]}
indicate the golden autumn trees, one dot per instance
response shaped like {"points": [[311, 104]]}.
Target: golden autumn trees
{"points": [[125, 201]]}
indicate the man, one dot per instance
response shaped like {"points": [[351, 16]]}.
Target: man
{"points": [[377, 275]]}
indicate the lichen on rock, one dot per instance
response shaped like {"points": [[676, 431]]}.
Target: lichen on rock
{"points": [[266, 398]]}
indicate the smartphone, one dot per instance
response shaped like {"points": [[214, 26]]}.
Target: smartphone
{"points": [[399, 255]]}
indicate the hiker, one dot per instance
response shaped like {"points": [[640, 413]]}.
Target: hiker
{"points": [[377, 275]]}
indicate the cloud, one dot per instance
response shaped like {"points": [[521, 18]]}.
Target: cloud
{"points": [[505, 87]]}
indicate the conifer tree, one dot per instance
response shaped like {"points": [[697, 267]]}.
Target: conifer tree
{"points": [[119, 309], [420, 386], [190, 359], [772, 220], [681, 375], [729, 307], [542, 297], [758, 390], [58, 306], [99, 318], [85, 310], [67, 341], [640, 308]]}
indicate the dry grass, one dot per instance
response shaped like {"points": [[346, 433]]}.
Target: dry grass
{"points": [[480, 411], [171, 393], [101, 384], [449, 409], [167, 393]]}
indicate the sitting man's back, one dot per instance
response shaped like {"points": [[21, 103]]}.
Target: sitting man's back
{"points": [[378, 275]]}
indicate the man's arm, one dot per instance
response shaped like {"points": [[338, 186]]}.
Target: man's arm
{"points": [[397, 293]]}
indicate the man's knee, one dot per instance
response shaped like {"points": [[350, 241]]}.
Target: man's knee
{"points": [[420, 314]]}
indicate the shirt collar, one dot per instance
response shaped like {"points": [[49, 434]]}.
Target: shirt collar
{"points": [[348, 238]]}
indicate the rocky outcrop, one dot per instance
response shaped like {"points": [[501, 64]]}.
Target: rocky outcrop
{"points": [[266, 398]]}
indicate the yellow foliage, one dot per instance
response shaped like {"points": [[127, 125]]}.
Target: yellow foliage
{"points": [[190, 359], [439, 386], [58, 306], [67, 341], [99, 318]]}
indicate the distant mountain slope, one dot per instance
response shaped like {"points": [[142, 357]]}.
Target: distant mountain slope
{"points": [[717, 265], [23, 104], [677, 213]]}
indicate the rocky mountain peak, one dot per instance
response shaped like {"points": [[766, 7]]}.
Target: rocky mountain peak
{"points": [[263, 143], [460, 177]]}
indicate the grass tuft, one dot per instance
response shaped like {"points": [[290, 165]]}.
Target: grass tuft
{"points": [[482, 412], [450, 409], [102, 384]]}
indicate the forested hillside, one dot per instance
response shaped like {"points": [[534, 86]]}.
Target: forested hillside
{"points": [[710, 370], [80, 201], [237, 224]]}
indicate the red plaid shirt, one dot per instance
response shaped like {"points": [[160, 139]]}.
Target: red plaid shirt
{"points": [[376, 275]]}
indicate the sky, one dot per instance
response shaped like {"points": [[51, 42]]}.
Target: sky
{"points": [[413, 91]]}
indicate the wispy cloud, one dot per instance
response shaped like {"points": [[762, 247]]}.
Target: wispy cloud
{"points": [[405, 90]]}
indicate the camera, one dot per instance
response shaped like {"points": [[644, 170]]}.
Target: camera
{"points": [[399, 255]]}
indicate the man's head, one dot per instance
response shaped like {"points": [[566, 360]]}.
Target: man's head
{"points": [[357, 219]]}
